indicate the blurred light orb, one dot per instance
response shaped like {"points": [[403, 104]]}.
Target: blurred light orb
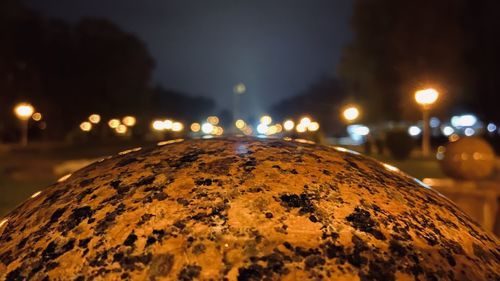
{"points": [[466, 120], [168, 124], [95, 118], [358, 130], [207, 128], [129, 121], [37, 116], [214, 120], [414, 131], [218, 131], [301, 128], [121, 129], [114, 123], [24, 110], [262, 128], [448, 130], [177, 126], [158, 125], [266, 120], [288, 125], [426, 97], [86, 126], [313, 127], [491, 127], [240, 88], [434, 122], [351, 113], [469, 132], [306, 121], [195, 127], [469, 158], [240, 124], [279, 128]]}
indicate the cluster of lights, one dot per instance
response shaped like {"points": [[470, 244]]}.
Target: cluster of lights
{"points": [[265, 127], [119, 126], [243, 127], [167, 125], [209, 127]]}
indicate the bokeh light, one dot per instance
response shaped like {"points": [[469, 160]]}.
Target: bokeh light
{"points": [[129, 121], [86, 126], [288, 125], [95, 118], [195, 127]]}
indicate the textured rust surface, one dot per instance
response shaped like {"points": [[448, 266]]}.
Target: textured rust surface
{"points": [[242, 209]]}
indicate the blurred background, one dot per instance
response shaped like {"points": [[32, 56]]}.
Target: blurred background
{"points": [[412, 83]]}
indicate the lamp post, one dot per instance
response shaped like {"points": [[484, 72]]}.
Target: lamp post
{"points": [[24, 111], [351, 113], [238, 90], [426, 98]]}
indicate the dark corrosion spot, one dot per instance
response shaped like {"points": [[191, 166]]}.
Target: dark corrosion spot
{"points": [[379, 270], [77, 216], [313, 218], [145, 181], [361, 220], [189, 272], [202, 181], [126, 161], [198, 249], [86, 182], [56, 215], [15, 275], [269, 215], [251, 273], [296, 201], [396, 248], [131, 238], [53, 250], [84, 243], [313, 261]]}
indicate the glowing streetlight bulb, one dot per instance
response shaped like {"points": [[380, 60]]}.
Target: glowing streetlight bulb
{"points": [[37, 116], [114, 123], [266, 120], [240, 88], [351, 113], [262, 128], [86, 126], [121, 129], [168, 124], [288, 125], [301, 128], [95, 118], [240, 124], [195, 127], [158, 125], [24, 111], [305, 121], [313, 127], [214, 120], [426, 97], [129, 121], [177, 126], [207, 128]]}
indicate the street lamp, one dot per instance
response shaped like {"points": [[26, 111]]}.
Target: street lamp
{"points": [[426, 98], [238, 90], [350, 113], [24, 111]]}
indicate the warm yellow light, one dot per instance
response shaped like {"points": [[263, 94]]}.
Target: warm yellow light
{"points": [[121, 129], [95, 118], [288, 125], [426, 97], [266, 120], [313, 127], [240, 124], [214, 120], [158, 125], [301, 128], [168, 124], [247, 130], [240, 88], [177, 126], [195, 127], [37, 116], [114, 123], [129, 121], [279, 128], [305, 121], [218, 131], [86, 126], [351, 113], [24, 111]]}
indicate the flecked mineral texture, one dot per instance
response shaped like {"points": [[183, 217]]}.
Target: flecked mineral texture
{"points": [[243, 209]]}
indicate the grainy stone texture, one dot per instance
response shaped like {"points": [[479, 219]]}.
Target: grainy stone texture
{"points": [[243, 209]]}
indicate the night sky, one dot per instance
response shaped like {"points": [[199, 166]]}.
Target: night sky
{"points": [[277, 48]]}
